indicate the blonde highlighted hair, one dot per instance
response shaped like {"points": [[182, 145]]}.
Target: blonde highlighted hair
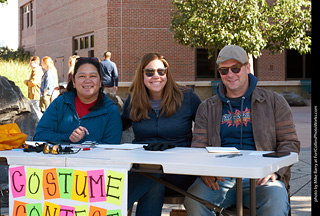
{"points": [[140, 105], [49, 62]]}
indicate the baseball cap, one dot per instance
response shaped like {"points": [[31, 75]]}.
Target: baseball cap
{"points": [[232, 52]]}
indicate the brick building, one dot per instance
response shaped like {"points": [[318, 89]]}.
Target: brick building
{"points": [[129, 29]]}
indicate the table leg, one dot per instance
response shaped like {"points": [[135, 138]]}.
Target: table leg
{"points": [[239, 198], [252, 197]]}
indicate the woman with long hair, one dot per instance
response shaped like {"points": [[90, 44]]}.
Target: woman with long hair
{"points": [[161, 114]]}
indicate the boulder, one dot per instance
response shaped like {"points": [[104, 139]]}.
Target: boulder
{"points": [[15, 108], [127, 135], [294, 99]]}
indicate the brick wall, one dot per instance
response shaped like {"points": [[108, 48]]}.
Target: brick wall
{"points": [[271, 67], [143, 27]]}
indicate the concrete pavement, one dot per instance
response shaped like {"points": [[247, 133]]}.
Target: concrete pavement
{"points": [[301, 171]]}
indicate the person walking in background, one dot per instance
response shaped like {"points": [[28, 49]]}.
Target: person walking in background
{"points": [[71, 63], [49, 82], [34, 83], [110, 74]]}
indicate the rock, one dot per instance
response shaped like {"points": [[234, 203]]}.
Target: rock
{"points": [[15, 108], [118, 101], [294, 99], [127, 135]]}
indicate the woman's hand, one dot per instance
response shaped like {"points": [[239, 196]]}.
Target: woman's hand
{"points": [[78, 134]]}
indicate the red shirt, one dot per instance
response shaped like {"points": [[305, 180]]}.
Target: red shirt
{"points": [[82, 108]]}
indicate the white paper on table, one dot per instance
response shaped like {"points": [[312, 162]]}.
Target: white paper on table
{"points": [[125, 146], [222, 150]]}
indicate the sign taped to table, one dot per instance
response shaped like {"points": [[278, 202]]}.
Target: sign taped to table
{"points": [[49, 191]]}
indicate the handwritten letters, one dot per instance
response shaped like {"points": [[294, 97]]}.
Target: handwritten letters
{"points": [[89, 187]]}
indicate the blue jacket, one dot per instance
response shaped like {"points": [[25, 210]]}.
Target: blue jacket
{"points": [[49, 81], [174, 129], [60, 119]]}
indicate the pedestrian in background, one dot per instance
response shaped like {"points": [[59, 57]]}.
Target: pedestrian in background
{"points": [[49, 83], [109, 73], [71, 63], [34, 83]]}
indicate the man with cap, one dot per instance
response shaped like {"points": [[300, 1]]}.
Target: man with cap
{"points": [[244, 116]]}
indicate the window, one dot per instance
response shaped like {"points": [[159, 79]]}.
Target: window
{"points": [[27, 15], [298, 66], [84, 42], [207, 69], [81, 43], [92, 41]]}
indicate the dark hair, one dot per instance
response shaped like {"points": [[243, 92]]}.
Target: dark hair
{"points": [[95, 62]]}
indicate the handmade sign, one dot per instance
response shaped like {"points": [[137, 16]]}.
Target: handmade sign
{"points": [[47, 191]]}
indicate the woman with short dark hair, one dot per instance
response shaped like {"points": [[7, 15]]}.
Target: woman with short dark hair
{"points": [[83, 113]]}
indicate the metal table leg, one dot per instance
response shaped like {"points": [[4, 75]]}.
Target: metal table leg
{"points": [[239, 198], [252, 197]]}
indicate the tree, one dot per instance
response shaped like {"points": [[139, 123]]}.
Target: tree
{"points": [[252, 24], [3, 1]]}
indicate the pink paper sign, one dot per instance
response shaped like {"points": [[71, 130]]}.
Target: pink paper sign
{"points": [[66, 210], [18, 181], [96, 184]]}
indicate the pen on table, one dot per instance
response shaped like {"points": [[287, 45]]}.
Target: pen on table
{"points": [[229, 155]]}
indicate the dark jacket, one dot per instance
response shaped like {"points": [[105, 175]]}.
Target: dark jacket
{"points": [[272, 125], [175, 129], [60, 119], [109, 73]]}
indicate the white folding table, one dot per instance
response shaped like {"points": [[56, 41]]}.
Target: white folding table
{"points": [[186, 161]]}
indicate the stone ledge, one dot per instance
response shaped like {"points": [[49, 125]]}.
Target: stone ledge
{"points": [[208, 83]]}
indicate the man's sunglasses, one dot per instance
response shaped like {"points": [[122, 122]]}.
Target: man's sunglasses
{"points": [[234, 69], [150, 72]]}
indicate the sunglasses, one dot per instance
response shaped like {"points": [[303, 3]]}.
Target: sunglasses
{"points": [[58, 149], [234, 69], [150, 72]]}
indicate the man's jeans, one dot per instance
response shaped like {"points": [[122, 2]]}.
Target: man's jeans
{"points": [[271, 198], [150, 194]]}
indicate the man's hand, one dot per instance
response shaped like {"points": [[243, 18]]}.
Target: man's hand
{"points": [[212, 181], [264, 180], [78, 134]]}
